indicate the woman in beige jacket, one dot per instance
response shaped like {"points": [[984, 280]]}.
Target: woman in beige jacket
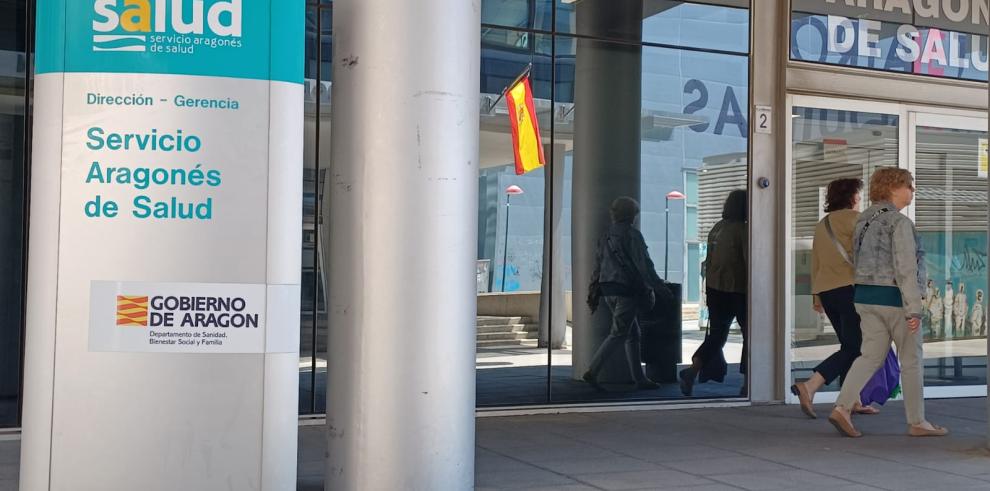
{"points": [[832, 285]]}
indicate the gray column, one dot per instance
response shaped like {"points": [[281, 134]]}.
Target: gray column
{"points": [[402, 243], [607, 108], [770, 23], [552, 308]]}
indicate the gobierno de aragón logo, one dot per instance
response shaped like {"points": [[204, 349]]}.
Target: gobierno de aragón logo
{"points": [[186, 311], [166, 26]]}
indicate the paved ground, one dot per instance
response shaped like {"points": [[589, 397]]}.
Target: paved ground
{"points": [[759, 448]]}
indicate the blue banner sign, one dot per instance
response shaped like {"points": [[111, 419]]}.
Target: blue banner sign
{"points": [[879, 45]]}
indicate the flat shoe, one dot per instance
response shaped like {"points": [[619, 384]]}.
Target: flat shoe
{"points": [[867, 410], [844, 427], [919, 431], [804, 399]]}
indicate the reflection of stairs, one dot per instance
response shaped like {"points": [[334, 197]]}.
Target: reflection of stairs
{"points": [[689, 312], [505, 331]]}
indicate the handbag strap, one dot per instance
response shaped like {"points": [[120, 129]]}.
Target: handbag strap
{"points": [[862, 233], [835, 240]]}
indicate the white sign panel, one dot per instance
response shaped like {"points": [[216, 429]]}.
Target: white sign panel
{"points": [[165, 208], [177, 317], [764, 119]]}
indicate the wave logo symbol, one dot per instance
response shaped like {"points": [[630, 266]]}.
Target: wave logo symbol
{"points": [[119, 42], [132, 310]]}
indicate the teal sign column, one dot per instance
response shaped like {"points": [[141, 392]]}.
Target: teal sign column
{"points": [[163, 299]]}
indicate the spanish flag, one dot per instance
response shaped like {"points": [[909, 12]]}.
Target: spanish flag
{"points": [[525, 130]]}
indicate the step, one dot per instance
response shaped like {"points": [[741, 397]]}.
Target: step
{"points": [[506, 335], [509, 328], [529, 343], [506, 328], [487, 320]]}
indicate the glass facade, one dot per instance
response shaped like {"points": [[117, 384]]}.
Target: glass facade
{"points": [[647, 100], [14, 71], [637, 99]]}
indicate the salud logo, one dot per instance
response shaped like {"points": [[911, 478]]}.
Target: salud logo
{"points": [[132, 310], [166, 26]]}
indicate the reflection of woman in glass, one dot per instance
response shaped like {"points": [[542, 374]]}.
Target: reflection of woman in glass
{"points": [[832, 283], [936, 309], [890, 282], [976, 316], [959, 308], [725, 271]]}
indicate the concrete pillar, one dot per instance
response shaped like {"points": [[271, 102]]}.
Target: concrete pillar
{"points": [[553, 316], [607, 101], [403, 227]]}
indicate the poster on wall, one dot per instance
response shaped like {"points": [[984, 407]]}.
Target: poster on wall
{"points": [[982, 158], [166, 203], [955, 304], [167, 163]]}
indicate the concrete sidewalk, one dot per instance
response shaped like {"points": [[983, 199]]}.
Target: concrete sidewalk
{"points": [[760, 448]]}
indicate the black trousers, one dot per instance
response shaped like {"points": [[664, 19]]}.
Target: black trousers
{"points": [[841, 311], [723, 307]]}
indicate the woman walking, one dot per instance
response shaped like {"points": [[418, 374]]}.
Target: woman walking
{"points": [[725, 290], [832, 285], [890, 278]]}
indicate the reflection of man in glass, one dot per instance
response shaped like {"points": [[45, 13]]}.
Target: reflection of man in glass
{"points": [[629, 284], [959, 308]]}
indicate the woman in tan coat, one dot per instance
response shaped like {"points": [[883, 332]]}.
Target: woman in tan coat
{"points": [[832, 285]]}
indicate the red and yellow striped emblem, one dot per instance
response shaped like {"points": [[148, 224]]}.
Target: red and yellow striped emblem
{"points": [[132, 311]]}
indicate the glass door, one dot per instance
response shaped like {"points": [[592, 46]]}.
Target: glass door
{"points": [[948, 156], [946, 150], [829, 139]]}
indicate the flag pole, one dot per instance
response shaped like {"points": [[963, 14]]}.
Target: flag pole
{"points": [[525, 72]]}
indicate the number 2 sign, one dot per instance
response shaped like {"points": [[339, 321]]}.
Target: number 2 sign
{"points": [[764, 119]]}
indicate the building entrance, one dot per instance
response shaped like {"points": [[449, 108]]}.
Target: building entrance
{"points": [[946, 150]]}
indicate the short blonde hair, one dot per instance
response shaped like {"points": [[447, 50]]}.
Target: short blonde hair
{"points": [[886, 179]]}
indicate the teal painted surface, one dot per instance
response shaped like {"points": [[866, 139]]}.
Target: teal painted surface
{"points": [[50, 37], [250, 39]]}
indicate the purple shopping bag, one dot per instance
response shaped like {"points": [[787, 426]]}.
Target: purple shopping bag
{"points": [[884, 384]]}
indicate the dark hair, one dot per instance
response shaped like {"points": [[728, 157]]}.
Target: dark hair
{"points": [[841, 193], [624, 209], [735, 206]]}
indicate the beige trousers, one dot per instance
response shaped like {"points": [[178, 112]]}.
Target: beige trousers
{"points": [[880, 326]]}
